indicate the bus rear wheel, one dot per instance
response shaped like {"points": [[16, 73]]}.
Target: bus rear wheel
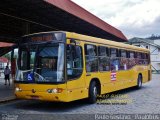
{"points": [[139, 81], [93, 91]]}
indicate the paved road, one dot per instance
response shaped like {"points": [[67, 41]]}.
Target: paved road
{"points": [[128, 101], [6, 91]]}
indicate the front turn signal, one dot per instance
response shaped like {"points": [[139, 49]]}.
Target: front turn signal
{"points": [[55, 90]]}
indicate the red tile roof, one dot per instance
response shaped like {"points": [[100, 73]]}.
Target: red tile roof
{"points": [[4, 44], [81, 13], [3, 60]]}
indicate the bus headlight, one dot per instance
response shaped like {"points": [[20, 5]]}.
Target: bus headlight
{"points": [[55, 90], [18, 89]]}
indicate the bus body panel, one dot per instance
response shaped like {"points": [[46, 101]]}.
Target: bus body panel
{"points": [[39, 92], [78, 88]]}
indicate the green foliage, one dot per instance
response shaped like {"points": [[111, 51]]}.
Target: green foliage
{"points": [[8, 56], [154, 37]]}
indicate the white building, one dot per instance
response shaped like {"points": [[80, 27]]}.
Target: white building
{"points": [[153, 46]]}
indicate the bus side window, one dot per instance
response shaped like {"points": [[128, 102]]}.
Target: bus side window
{"points": [[132, 60], [108, 52], [135, 54], [136, 58], [123, 53], [115, 62], [128, 54], [143, 58], [131, 54], [123, 60], [113, 52], [104, 61], [91, 58], [129, 62], [74, 61], [147, 59], [139, 56]]}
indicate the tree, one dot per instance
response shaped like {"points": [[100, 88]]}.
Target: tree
{"points": [[8, 56]]}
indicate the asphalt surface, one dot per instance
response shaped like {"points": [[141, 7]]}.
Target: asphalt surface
{"points": [[6, 91]]}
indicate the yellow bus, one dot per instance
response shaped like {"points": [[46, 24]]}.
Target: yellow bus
{"points": [[66, 66]]}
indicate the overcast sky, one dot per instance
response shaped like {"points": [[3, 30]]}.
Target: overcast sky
{"points": [[135, 18]]}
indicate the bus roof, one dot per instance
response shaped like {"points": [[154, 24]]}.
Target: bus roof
{"points": [[44, 33], [95, 40], [104, 41]]}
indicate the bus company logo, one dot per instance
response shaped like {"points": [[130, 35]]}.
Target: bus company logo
{"points": [[113, 76]]}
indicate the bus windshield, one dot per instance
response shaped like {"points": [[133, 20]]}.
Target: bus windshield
{"points": [[41, 63]]}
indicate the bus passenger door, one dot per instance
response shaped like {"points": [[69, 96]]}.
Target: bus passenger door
{"points": [[74, 70]]}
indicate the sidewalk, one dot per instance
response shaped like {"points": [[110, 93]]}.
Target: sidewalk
{"points": [[6, 91]]}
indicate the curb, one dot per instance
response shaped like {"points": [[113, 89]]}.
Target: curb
{"points": [[9, 99]]}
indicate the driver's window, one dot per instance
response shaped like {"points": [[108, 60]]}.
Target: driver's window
{"points": [[47, 63], [74, 61]]}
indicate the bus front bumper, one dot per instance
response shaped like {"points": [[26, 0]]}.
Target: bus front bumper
{"points": [[42, 92]]}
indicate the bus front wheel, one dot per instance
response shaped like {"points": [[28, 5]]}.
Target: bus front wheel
{"points": [[93, 91], [139, 81]]}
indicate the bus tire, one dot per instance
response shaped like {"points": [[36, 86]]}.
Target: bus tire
{"points": [[93, 91], [139, 81]]}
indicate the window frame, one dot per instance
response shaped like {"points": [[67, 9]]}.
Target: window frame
{"points": [[117, 52], [96, 56], [107, 56], [82, 60], [121, 51]]}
